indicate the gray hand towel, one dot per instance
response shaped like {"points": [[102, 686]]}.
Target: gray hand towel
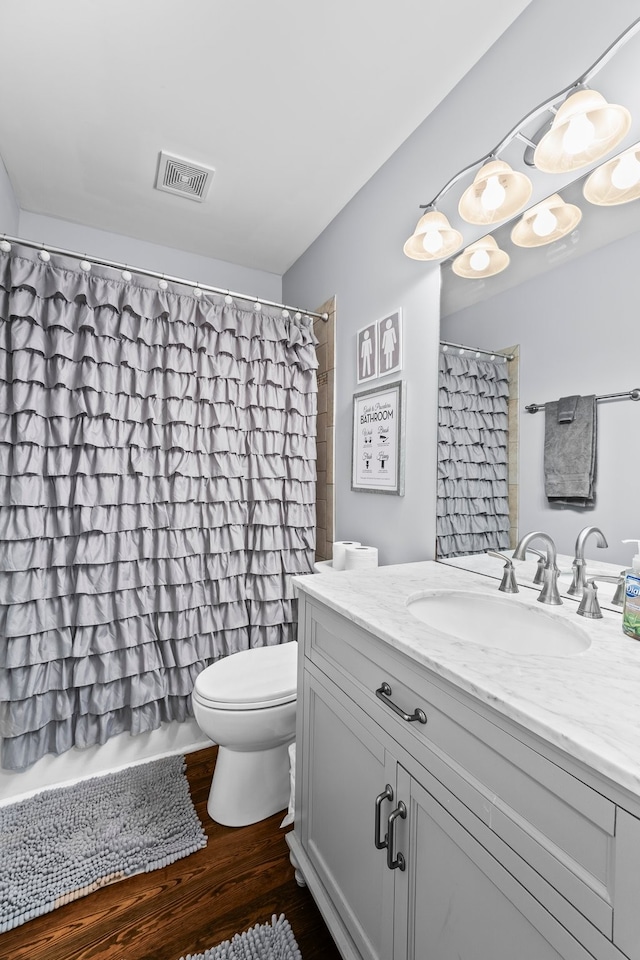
{"points": [[567, 409], [570, 454]]}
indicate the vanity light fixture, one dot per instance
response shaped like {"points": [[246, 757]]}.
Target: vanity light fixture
{"points": [[496, 193], [616, 181], [584, 129], [545, 222], [484, 258], [433, 238]]}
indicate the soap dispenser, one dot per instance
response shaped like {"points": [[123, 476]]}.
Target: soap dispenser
{"points": [[631, 610]]}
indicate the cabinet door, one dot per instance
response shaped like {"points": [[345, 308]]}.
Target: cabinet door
{"points": [[345, 768], [456, 902]]}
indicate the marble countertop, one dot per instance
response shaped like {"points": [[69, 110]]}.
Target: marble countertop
{"points": [[587, 704]]}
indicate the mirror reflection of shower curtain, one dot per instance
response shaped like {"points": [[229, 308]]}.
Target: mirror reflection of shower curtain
{"points": [[157, 490], [472, 504]]}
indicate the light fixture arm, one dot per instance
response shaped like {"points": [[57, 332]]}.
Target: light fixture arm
{"points": [[546, 106]]}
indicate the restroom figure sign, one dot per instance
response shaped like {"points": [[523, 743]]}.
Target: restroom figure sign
{"points": [[388, 344], [389, 330], [367, 353]]}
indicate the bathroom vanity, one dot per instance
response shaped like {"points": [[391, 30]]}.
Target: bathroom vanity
{"points": [[457, 801]]}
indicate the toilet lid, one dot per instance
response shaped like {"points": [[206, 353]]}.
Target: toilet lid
{"points": [[251, 679]]}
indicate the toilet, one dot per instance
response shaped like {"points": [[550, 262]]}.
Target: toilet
{"points": [[246, 703]]}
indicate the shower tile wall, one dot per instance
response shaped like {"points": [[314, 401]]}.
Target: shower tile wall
{"points": [[325, 489]]}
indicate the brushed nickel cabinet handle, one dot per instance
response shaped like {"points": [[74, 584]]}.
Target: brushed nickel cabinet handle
{"points": [[384, 692], [399, 862], [387, 794]]}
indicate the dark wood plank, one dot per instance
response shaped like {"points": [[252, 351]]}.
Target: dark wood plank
{"points": [[240, 878]]}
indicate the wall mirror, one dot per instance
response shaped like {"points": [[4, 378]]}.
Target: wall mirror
{"points": [[572, 306]]}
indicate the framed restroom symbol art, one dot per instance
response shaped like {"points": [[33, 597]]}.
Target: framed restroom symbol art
{"points": [[377, 457], [389, 341], [379, 348], [367, 353]]}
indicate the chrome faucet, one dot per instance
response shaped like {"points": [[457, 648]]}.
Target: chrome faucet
{"points": [[579, 565], [509, 583], [549, 592], [589, 606]]}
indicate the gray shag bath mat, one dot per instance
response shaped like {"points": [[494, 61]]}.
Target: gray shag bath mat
{"points": [[265, 941], [64, 843]]}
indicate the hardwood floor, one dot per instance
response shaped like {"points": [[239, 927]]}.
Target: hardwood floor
{"points": [[240, 878]]}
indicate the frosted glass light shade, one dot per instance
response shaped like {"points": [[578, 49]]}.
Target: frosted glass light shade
{"points": [[496, 193], [484, 258], [546, 222], [583, 130], [616, 181], [433, 238]]}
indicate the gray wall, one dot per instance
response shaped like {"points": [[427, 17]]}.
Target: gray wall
{"points": [[359, 256], [575, 327], [9, 212], [151, 256]]}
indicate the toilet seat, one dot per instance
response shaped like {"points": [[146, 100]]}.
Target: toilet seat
{"points": [[251, 679]]}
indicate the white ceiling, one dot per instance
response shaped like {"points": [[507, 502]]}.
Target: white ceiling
{"points": [[295, 104]]}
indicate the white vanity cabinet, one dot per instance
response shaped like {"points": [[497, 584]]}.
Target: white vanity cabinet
{"points": [[496, 847]]}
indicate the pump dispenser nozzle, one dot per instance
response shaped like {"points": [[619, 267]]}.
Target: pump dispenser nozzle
{"points": [[635, 563]]}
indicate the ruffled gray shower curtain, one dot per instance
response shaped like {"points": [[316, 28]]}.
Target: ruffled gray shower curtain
{"points": [[472, 503], [157, 490]]}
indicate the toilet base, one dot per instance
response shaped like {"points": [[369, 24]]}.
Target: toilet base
{"points": [[249, 786]]}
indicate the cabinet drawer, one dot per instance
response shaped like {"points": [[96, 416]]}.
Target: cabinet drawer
{"points": [[560, 826]]}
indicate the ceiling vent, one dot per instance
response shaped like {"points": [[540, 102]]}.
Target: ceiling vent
{"points": [[177, 175]]}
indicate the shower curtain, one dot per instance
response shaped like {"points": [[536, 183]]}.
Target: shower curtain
{"points": [[157, 492], [472, 504]]}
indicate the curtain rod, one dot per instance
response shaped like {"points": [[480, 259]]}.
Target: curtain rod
{"points": [[627, 395], [5, 246], [461, 348]]}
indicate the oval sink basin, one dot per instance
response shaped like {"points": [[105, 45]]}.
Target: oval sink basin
{"points": [[499, 622]]}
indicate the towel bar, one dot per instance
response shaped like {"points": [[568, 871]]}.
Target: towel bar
{"points": [[627, 395]]}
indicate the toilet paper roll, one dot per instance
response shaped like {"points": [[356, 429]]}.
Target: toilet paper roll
{"points": [[339, 548], [360, 558]]}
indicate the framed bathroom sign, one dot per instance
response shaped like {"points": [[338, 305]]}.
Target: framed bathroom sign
{"points": [[367, 350], [389, 341], [377, 456], [379, 348]]}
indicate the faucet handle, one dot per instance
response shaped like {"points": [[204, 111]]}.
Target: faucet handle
{"points": [[578, 582], [550, 593], [589, 606], [618, 597], [509, 583]]}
